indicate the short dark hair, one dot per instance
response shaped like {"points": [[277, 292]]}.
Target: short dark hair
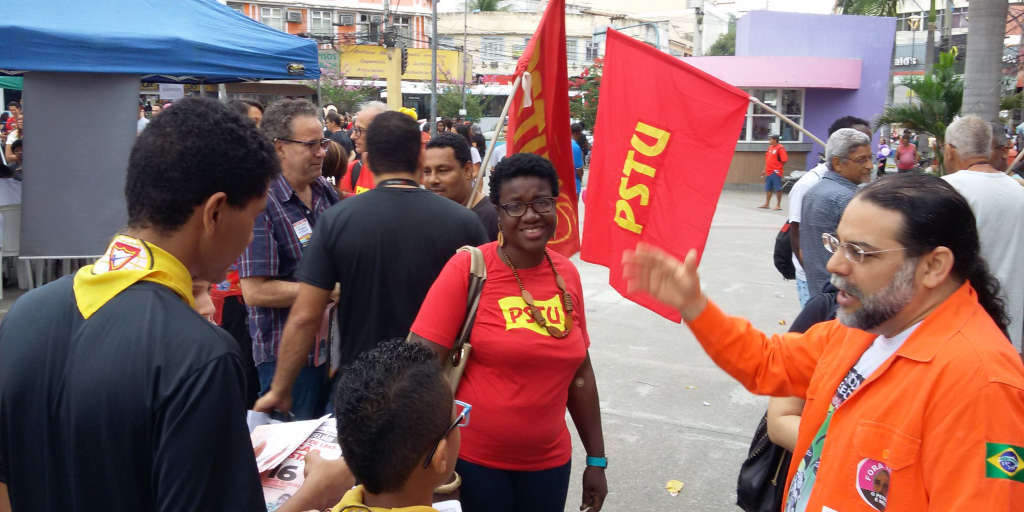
{"points": [[239, 107], [846, 122], [17, 144], [14, 103], [392, 404], [254, 103], [522, 164], [190, 152], [394, 143], [334, 117], [935, 214], [464, 130], [277, 120], [450, 140]]}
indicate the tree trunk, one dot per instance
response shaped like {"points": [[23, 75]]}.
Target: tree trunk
{"points": [[983, 70]]}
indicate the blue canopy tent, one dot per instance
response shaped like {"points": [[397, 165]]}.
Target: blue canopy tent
{"points": [[82, 64], [162, 40]]}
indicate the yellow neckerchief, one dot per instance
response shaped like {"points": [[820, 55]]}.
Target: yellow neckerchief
{"points": [[353, 502], [127, 261]]}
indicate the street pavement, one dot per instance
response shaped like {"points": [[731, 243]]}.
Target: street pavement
{"points": [[669, 413]]}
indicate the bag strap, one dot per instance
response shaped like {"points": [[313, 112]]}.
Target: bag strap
{"points": [[354, 175], [477, 277]]}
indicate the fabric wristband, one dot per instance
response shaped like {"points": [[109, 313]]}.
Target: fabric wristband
{"points": [[597, 462]]}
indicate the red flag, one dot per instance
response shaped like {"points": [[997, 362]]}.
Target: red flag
{"points": [[538, 118], [664, 139]]}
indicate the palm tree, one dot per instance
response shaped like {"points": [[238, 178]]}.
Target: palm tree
{"points": [[487, 5], [983, 69], [938, 98], [869, 7]]}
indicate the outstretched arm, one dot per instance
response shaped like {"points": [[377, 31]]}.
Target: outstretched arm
{"points": [[585, 410]]}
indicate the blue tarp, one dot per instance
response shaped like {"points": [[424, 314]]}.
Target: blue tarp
{"points": [[163, 40]]}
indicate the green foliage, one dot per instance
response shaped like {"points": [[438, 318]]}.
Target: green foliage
{"points": [[871, 7], [347, 98], [584, 106], [449, 101], [726, 43], [485, 6], [1012, 102], [937, 100]]}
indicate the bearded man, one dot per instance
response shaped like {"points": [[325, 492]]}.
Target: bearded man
{"points": [[915, 378]]}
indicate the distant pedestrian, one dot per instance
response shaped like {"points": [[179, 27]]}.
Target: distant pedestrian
{"points": [[774, 161], [447, 171], [336, 132], [359, 177], [907, 155]]}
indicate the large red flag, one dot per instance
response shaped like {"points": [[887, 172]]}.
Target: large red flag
{"points": [[665, 136], [538, 118]]}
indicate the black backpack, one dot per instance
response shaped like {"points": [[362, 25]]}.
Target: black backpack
{"points": [[784, 253]]}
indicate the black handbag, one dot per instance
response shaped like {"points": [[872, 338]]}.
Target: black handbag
{"points": [[762, 479], [783, 255]]}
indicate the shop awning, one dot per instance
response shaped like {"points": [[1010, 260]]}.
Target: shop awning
{"points": [[787, 72]]}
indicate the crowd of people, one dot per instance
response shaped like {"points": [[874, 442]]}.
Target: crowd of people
{"points": [[905, 361]]}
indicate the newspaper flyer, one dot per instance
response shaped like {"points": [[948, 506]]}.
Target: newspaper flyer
{"points": [[284, 473]]}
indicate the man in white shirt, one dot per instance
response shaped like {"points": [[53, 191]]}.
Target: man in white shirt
{"points": [[998, 205], [796, 197]]}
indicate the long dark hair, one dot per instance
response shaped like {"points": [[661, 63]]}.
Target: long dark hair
{"points": [[935, 214]]}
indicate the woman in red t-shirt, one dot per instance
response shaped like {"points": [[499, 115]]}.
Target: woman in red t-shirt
{"points": [[529, 362]]}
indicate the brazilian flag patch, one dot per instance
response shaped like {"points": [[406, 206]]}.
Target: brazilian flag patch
{"points": [[1004, 461]]}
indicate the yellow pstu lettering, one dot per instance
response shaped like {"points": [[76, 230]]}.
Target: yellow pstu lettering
{"points": [[632, 165], [660, 140], [626, 192], [624, 217]]}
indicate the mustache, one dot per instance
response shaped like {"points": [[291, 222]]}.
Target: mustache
{"points": [[848, 288]]}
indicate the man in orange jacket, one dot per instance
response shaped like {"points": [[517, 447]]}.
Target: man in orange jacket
{"points": [[915, 397]]}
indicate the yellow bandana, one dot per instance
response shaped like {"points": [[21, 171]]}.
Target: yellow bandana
{"points": [[127, 261], [353, 502]]}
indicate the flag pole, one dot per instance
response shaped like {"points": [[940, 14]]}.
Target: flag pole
{"points": [[494, 140], [786, 119]]}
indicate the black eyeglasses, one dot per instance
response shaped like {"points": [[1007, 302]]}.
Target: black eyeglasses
{"points": [[310, 145], [539, 205], [461, 420]]}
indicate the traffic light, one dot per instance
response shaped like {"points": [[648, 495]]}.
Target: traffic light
{"points": [[405, 59]]}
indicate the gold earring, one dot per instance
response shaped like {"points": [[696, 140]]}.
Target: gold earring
{"points": [[501, 237]]}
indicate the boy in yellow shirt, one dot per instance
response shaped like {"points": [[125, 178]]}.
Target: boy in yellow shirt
{"points": [[397, 427]]}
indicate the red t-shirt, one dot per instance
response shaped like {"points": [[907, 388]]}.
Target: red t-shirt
{"points": [[518, 376], [906, 157], [774, 159], [364, 181]]}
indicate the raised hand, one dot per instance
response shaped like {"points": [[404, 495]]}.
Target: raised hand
{"points": [[672, 282]]}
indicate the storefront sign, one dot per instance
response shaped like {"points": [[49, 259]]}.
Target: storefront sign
{"points": [[172, 91], [370, 61], [330, 63], [904, 61]]}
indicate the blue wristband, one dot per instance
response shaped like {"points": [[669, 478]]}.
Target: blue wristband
{"points": [[597, 462]]}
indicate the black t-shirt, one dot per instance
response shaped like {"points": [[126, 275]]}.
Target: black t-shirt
{"points": [[140, 407], [820, 308], [341, 138], [488, 214], [385, 246]]}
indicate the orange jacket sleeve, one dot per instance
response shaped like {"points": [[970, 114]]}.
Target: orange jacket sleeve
{"points": [[778, 365]]}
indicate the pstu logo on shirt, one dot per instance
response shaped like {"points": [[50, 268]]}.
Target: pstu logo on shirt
{"points": [[517, 314], [1004, 461]]}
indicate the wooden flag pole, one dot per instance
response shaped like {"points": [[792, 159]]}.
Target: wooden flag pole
{"points": [[786, 119], [494, 140]]}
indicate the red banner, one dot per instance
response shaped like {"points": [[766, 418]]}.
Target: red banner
{"points": [[664, 139], [538, 118]]}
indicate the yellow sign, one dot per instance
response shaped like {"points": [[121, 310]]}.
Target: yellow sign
{"points": [[370, 61]]}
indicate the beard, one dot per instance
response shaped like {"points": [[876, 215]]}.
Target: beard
{"points": [[879, 307]]}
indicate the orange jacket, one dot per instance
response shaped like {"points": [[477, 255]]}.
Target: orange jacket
{"points": [[953, 390]]}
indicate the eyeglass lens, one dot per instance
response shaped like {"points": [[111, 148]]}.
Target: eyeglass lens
{"points": [[518, 208]]}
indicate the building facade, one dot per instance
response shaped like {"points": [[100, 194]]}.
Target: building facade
{"points": [[343, 22]]}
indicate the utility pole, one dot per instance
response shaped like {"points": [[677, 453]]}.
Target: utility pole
{"points": [[698, 35], [929, 49], [433, 70], [465, 52], [394, 69]]}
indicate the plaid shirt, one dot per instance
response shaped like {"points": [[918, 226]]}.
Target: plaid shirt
{"points": [[275, 252]]}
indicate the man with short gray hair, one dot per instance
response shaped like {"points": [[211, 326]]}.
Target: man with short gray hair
{"points": [[848, 156], [998, 205]]}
